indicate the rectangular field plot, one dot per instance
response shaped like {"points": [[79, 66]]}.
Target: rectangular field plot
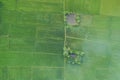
{"points": [[28, 73], [13, 73], [9, 16], [56, 19], [115, 29], [115, 36], [98, 35], [28, 17], [40, 6], [98, 47], [40, 18], [19, 73], [83, 6], [3, 73], [77, 70], [4, 43], [9, 4], [30, 59], [101, 22], [100, 29], [50, 1], [4, 27], [22, 31], [74, 43], [22, 44], [48, 74], [55, 34], [50, 27], [78, 32], [115, 49], [111, 8], [50, 46]]}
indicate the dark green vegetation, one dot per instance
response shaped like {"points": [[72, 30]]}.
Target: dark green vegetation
{"points": [[32, 39], [1, 6], [73, 56]]}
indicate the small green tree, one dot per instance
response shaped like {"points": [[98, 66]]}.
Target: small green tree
{"points": [[73, 56]]}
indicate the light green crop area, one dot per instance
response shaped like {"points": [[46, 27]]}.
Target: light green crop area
{"points": [[32, 39], [111, 7]]}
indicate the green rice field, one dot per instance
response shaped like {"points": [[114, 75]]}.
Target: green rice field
{"points": [[32, 38]]}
